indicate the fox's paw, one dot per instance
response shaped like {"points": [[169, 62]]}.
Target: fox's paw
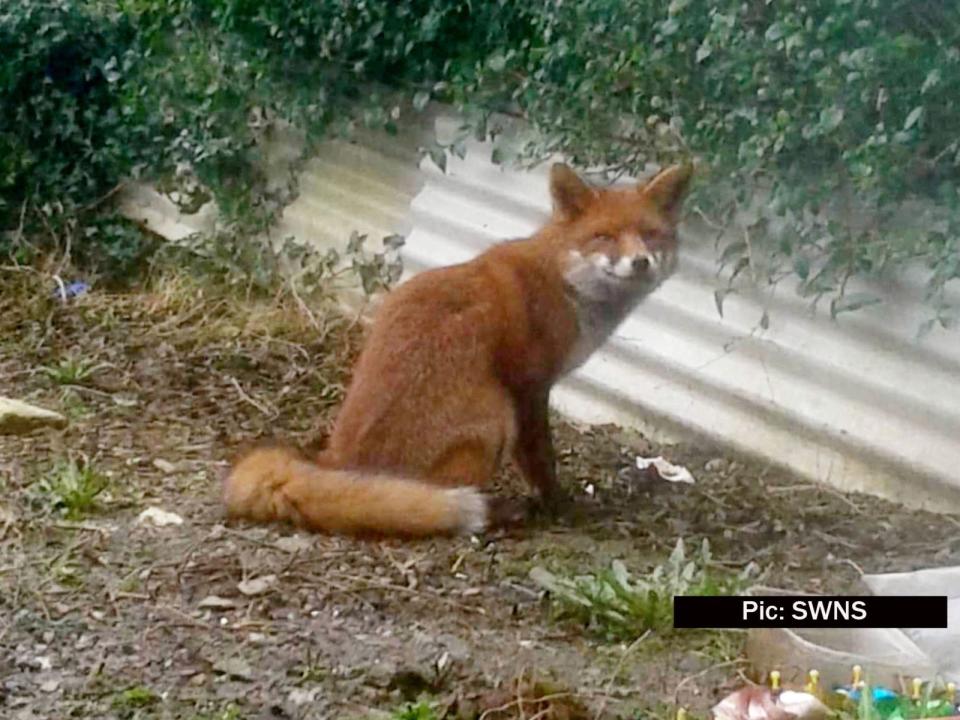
{"points": [[554, 504], [506, 513]]}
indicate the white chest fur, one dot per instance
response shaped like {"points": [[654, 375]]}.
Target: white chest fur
{"points": [[602, 299]]}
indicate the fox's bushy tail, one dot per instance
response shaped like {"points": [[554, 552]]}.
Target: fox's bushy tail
{"points": [[280, 484]]}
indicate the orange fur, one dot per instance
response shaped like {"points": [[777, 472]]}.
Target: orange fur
{"points": [[455, 374]]}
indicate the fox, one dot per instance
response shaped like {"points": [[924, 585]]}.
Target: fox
{"points": [[454, 376]]}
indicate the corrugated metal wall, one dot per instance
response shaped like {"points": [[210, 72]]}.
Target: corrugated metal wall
{"points": [[858, 403]]}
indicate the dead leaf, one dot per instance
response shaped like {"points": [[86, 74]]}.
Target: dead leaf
{"points": [[257, 586], [216, 602]]}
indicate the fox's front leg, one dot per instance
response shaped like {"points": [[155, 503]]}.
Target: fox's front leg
{"points": [[533, 451]]}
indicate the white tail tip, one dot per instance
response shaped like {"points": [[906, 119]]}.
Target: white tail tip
{"points": [[471, 510]]}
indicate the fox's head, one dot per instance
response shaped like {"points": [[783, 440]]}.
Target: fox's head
{"points": [[617, 243]]}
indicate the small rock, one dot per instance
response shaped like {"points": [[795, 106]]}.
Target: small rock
{"points": [[7, 516], [381, 672], [217, 603], [49, 686], [20, 418], [715, 465], [457, 648], [236, 668], [164, 466], [301, 696], [159, 518], [294, 543], [257, 586]]}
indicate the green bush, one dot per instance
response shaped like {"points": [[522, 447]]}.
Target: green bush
{"points": [[823, 104], [816, 106], [64, 138], [183, 91]]}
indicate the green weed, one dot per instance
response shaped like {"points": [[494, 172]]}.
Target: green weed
{"points": [[134, 698], [71, 371], [420, 711], [73, 488], [616, 605]]}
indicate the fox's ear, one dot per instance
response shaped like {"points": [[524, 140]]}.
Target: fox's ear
{"points": [[570, 194], [668, 188]]}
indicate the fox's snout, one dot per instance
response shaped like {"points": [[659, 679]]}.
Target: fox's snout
{"points": [[639, 265], [627, 266], [626, 276]]}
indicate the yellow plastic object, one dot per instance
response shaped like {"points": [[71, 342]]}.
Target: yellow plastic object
{"points": [[774, 679], [915, 688]]}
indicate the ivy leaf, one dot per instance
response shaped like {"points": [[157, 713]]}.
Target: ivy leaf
{"points": [[394, 242], [732, 250], [420, 100], [497, 62], [851, 302], [931, 81], [801, 266], [355, 243], [774, 32], [742, 264], [719, 296], [913, 118], [669, 26], [704, 51], [439, 157], [830, 118]]}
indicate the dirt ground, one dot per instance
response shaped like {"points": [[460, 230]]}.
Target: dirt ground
{"points": [[101, 616]]}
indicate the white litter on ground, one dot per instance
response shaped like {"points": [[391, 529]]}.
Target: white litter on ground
{"points": [[666, 469], [159, 518]]}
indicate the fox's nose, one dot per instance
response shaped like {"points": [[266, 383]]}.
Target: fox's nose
{"points": [[641, 264]]}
